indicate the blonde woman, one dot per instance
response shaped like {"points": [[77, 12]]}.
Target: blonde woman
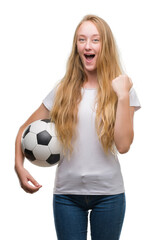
{"points": [[92, 107]]}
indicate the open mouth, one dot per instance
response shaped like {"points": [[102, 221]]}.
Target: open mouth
{"points": [[89, 56]]}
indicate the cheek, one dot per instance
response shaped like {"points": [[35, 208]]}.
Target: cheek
{"points": [[79, 49], [98, 49]]}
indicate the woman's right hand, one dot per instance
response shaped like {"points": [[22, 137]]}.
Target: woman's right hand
{"points": [[24, 178]]}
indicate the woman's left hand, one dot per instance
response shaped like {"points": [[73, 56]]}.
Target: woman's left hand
{"points": [[121, 85]]}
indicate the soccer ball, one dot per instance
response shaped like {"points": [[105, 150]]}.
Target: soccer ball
{"points": [[40, 144]]}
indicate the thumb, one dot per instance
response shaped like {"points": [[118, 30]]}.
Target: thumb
{"points": [[34, 182]]}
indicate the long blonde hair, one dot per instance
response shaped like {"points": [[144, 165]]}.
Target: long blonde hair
{"points": [[68, 95]]}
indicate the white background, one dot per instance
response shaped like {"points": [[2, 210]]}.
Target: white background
{"points": [[35, 42]]}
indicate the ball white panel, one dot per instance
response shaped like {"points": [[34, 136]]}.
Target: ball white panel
{"points": [[51, 129], [38, 126], [55, 146], [41, 152], [30, 141], [41, 163]]}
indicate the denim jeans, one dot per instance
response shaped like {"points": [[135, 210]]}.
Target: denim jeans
{"points": [[71, 216]]}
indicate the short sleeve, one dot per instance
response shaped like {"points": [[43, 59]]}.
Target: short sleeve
{"points": [[49, 99], [134, 101]]}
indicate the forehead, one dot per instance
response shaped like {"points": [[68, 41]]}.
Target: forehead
{"points": [[87, 28]]}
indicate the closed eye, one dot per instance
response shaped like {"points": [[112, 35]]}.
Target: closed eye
{"points": [[81, 39], [95, 40]]}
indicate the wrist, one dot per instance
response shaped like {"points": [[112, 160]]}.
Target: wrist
{"points": [[123, 96], [18, 167]]}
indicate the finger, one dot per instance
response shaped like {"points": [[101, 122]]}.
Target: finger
{"points": [[30, 189], [34, 182], [28, 186]]}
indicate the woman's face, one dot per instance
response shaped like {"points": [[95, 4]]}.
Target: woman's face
{"points": [[88, 45]]}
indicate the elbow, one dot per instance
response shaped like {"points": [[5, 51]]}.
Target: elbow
{"points": [[123, 149], [124, 146]]}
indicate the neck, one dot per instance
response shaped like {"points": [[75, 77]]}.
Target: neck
{"points": [[92, 79]]}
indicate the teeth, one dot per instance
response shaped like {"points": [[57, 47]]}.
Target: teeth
{"points": [[89, 56]]}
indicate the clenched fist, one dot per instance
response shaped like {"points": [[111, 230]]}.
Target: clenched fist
{"points": [[121, 85]]}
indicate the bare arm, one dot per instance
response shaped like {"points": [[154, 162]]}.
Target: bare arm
{"points": [[23, 175], [123, 130]]}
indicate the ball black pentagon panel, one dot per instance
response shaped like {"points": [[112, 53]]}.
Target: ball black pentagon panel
{"points": [[26, 131], [43, 138], [29, 154], [54, 158], [45, 120]]}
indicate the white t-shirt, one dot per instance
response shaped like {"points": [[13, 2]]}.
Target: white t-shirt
{"points": [[90, 171]]}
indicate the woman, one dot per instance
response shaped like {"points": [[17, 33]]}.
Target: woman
{"points": [[93, 108]]}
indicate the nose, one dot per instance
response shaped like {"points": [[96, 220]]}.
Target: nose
{"points": [[88, 45]]}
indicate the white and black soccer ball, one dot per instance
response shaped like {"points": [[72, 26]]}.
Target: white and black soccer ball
{"points": [[40, 144]]}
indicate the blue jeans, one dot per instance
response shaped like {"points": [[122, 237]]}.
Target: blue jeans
{"points": [[71, 216]]}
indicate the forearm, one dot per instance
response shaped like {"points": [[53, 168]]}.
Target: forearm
{"points": [[123, 130], [19, 157], [23, 175]]}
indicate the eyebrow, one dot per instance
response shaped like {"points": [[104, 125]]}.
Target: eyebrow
{"points": [[92, 35]]}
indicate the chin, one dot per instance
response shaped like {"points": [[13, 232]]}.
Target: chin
{"points": [[91, 69]]}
